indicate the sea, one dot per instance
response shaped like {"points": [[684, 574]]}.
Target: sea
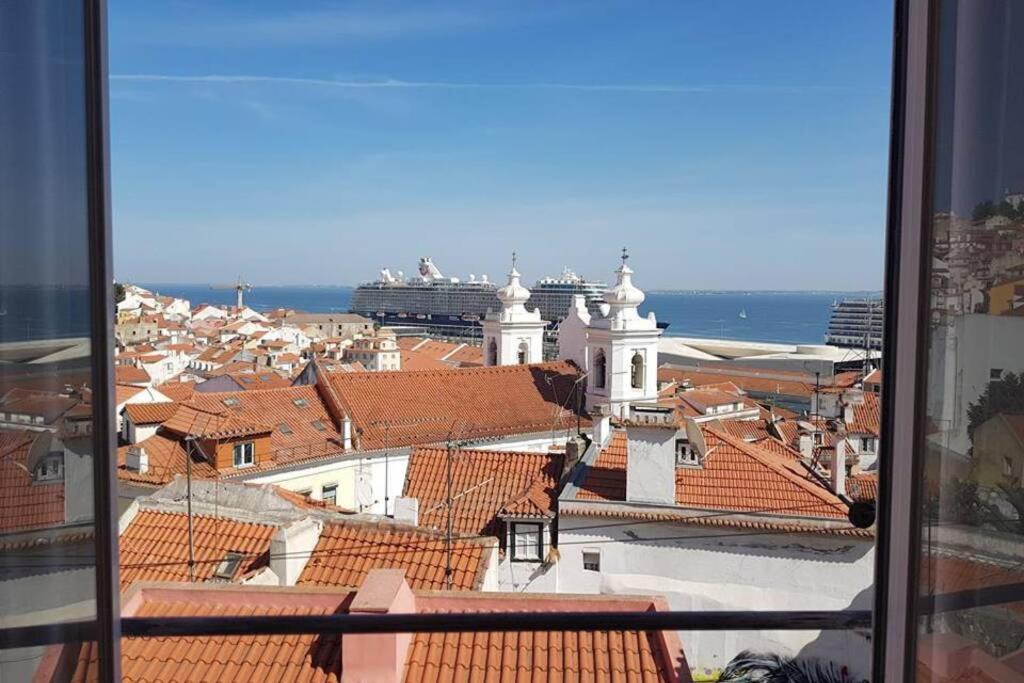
{"points": [[787, 317]]}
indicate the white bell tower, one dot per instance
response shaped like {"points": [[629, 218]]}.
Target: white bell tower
{"points": [[513, 335], [622, 348]]}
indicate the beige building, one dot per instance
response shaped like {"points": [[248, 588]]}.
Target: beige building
{"points": [[377, 354], [330, 325]]}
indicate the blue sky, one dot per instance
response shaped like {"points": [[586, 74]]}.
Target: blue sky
{"points": [[728, 144]]}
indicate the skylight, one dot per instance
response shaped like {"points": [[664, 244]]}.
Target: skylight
{"points": [[300, 402], [227, 567], [231, 402], [284, 428]]}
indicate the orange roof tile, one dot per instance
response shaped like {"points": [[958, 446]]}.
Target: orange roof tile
{"points": [[347, 551], [422, 407], [735, 476], [150, 413], [483, 483], [177, 391], [154, 547], [863, 487], [123, 392], [414, 360], [555, 657], [189, 420], [259, 380], [24, 504], [310, 431], [166, 459], [749, 380], [130, 374]]}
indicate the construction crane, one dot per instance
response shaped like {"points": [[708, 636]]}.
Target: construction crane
{"points": [[239, 287]]}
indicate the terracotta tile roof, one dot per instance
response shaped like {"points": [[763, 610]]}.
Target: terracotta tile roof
{"points": [[150, 413], [483, 483], [189, 420], [702, 399], [45, 404], [154, 547], [847, 379], [867, 417], [310, 430], [748, 430], [735, 476], [948, 573], [777, 382], [414, 360], [130, 374], [555, 657], [423, 407], [863, 487], [166, 459], [259, 380], [306, 658], [347, 551], [232, 368], [177, 391], [467, 356], [626, 656], [123, 392], [25, 505]]}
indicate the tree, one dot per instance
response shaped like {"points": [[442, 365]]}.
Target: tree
{"points": [[1004, 395], [983, 210], [118, 292]]}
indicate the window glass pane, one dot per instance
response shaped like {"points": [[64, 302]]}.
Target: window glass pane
{"points": [[46, 413], [973, 444]]}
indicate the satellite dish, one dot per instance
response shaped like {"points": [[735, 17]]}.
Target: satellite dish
{"points": [[861, 514], [364, 492]]}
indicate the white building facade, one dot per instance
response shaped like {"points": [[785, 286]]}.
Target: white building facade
{"points": [[513, 335]]}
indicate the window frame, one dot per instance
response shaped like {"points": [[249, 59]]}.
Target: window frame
{"points": [[240, 463], [537, 531]]}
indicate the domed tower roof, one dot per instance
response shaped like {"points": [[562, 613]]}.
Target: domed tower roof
{"points": [[513, 293], [622, 301]]}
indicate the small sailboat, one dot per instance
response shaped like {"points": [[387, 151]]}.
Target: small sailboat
{"points": [[743, 314]]}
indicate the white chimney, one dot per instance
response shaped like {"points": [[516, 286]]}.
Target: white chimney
{"points": [[838, 469], [651, 465], [407, 510], [346, 433], [848, 413], [290, 548], [137, 460], [807, 446], [602, 428]]}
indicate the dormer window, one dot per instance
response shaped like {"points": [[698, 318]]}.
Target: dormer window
{"points": [[244, 454], [227, 567], [50, 469]]}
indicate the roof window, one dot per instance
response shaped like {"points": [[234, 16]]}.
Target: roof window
{"points": [[227, 567], [284, 428], [300, 402], [231, 402]]}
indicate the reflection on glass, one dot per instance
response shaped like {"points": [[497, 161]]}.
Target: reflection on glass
{"points": [[973, 538], [46, 416]]}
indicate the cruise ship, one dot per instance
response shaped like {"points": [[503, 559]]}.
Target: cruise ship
{"points": [[433, 299], [856, 323]]}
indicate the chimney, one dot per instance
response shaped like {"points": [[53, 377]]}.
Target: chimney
{"points": [[602, 426], [651, 464], [346, 433], [378, 656], [838, 469], [407, 510], [290, 548], [137, 460], [807, 446], [574, 449], [848, 413]]}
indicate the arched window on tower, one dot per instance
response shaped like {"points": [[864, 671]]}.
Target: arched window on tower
{"points": [[524, 353], [637, 371], [600, 369], [492, 352]]}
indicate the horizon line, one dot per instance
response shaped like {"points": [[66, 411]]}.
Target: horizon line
{"points": [[392, 83]]}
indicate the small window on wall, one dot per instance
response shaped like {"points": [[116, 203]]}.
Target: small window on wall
{"points": [[329, 493], [244, 454], [685, 455], [527, 542], [995, 374], [592, 560]]}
